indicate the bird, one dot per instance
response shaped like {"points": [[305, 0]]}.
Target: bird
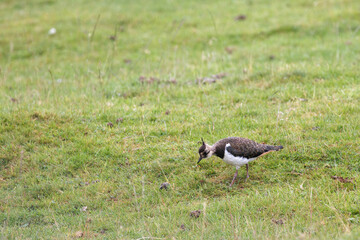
{"points": [[236, 151]]}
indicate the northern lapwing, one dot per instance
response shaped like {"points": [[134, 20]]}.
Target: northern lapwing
{"points": [[236, 151]]}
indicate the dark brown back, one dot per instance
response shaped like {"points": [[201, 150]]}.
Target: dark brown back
{"points": [[243, 147]]}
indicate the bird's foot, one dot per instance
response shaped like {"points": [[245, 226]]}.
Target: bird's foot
{"points": [[232, 182], [247, 172]]}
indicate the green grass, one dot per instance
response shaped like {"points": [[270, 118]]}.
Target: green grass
{"points": [[292, 79]]}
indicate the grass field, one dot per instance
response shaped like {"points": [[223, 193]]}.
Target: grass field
{"points": [[96, 116]]}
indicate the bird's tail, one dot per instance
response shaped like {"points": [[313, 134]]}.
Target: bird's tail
{"points": [[274, 148], [277, 148]]}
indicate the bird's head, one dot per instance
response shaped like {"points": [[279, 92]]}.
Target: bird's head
{"points": [[205, 151]]}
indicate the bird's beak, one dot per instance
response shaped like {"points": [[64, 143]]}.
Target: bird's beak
{"points": [[199, 159]]}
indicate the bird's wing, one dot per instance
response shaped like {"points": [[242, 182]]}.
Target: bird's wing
{"points": [[234, 152], [247, 148]]}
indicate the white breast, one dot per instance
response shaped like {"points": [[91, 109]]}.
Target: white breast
{"points": [[236, 161]]}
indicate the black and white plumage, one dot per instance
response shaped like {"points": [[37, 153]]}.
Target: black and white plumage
{"points": [[236, 151]]}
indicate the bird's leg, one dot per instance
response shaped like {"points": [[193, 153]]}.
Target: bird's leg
{"points": [[247, 172], [236, 173]]}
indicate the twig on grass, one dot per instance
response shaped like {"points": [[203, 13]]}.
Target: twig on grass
{"points": [[94, 29], [21, 162], [136, 200], [330, 205], [203, 220]]}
